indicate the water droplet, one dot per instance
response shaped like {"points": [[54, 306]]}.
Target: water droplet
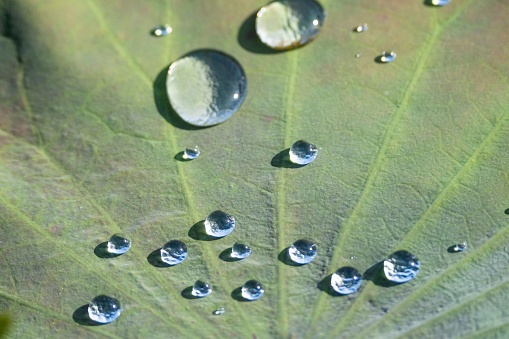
{"points": [[219, 311], [361, 28], [191, 153], [252, 290], [104, 309], [287, 24], [173, 252], [118, 244], [206, 87], [346, 280], [353, 257], [162, 30], [388, 56], [219, 224], [358, 55], [302, 251], [302, 152], [440, 2], [459, 247], [401, 266], [240, 251], [201, 289]]}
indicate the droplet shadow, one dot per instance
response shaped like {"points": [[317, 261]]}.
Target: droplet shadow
{"points": [[80, 316], [180, 157], [325, 286], [226, 255], [375, 274], [506, 211], [237, 295], [188, 293], [249, 40], [284, 257], [429, 3], [282, 160], [378, 60], [101, 251], [453, 249], [197, 232], [154, 259]]}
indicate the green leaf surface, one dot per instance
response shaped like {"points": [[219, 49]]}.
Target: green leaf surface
{"points": [[413, 155]]}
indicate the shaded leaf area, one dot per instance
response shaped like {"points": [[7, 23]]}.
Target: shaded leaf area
{"points": [[412, 156]]}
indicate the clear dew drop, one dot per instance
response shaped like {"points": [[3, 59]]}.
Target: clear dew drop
{"points": [[388, 56], [118, 244], [361, 28], [206, 87], [104, 309], [346, 280], [459, 247], [162, 30], [219, 311], [358, 55], [201, 289], [287, 24], [240, 251], [440, 2], [302, 152], [173, 252], [401, 266], [252, 290], [302, 251], [191, 153], [219, 224]]}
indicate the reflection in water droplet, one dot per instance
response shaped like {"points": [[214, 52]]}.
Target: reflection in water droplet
{"points": [[201, 289], [219, 224], [302, 251], [174, 252], [104, 309], [401, 266], [440, 2], [240, 251], [252, 290], [206, 87], [191, 153], [162, 30], [346, 280], [302, 152], [219, 311], [118, 244], [361, 28], [460, 247], [287, 24], [388, 56]]}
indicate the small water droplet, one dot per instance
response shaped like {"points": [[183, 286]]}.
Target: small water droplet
{"points": [[252, 290], [302, 251], [401, 266], [219, 311], [361, 28], [302, 152], [358, 55], [240, 251], [287, 24], [459, 247], [118, 244], [173, 252], [346, 280], [353, 257], [191, 153], [162, 30], [440, 2], [219, 224], [388, 56], [201, 289], [206, 87], [104, 309]]}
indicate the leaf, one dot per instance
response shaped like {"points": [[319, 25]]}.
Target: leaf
{"points": [[412, 156]]}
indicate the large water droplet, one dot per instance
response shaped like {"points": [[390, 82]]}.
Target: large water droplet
{"points": [[346, 280], [252, 290], [173, 252], [162, 30], [118, 244], [206, 87], [201, 289], [303, 153], [388, 56], [240, 251], [361, 28], [302, 251], [440, 2], [401, 266], [459, 247], [219, 224], [104, 309], [191, 153], [287, 24]]}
